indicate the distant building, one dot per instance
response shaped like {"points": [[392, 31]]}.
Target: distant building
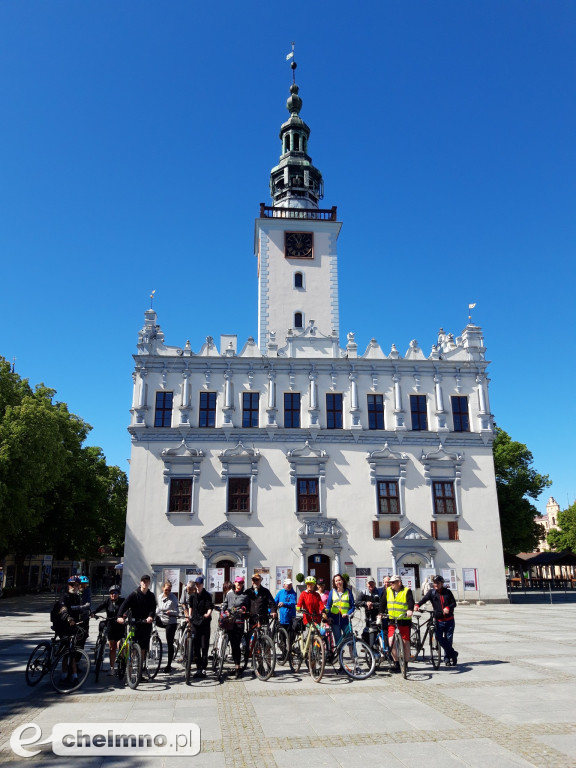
{"points": [[294, 454], [549, 521]]}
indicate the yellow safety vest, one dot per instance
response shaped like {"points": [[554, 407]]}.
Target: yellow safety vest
{"points": [[397, 603], [342, 605]]}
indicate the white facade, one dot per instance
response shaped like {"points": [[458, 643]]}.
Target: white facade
{"points": [[387, 462]]}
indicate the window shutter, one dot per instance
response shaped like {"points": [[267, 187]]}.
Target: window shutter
{"points": [[453, 530], [434, 529], [394, 527], [375, 529]]}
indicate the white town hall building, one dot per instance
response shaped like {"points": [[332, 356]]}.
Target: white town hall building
{"points": [[297, 455]]}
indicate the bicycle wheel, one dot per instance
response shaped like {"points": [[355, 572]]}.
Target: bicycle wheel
{"points": [[401, 655], [264, 657], [415, 642], [282, 646], [154, 659], [316, 659], [179, 645], [379, 651], [38, 663], [99, 656], [188, 653], [134, 665], [221, 656], [62, 675], [356, 659], [295, 655], [435, 649]]}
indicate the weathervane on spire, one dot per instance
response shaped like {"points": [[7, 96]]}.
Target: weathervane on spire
{"points": [[152, 298], [293, 64], [470, 308]]}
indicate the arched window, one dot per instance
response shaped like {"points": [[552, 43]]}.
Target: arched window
{"points": [[298, 280], [297, 319]]}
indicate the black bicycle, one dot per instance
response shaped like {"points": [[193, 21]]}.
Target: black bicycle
{"points": [[100, 646], [66, 661], [260, 648], [420, 633], [281, 639]]}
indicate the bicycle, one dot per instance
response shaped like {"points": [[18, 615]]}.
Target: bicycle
{"points": [[377, 642], [100, 645], [308, 644], [353, 654], [179, 638], [226, 621], [260, 648], [281, 639], [417, 641], [154, 657], [398, 643], [129, 657], [49, 655]]}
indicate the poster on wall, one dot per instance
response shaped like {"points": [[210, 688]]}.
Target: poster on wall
{"points": [[470, 579], [265, 574], [381, 573], [192, 572], [215, 580], [426, 574], [361, 577], [173, 576], [282, 572], [239, 571], [408, 577], [450, 579]]}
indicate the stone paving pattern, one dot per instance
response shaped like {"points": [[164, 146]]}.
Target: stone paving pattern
{"points": [[510, 702]]}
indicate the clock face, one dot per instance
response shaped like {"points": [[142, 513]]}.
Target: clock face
{"points": [[298, 245]]}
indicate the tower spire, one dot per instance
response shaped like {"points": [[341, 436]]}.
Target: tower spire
{"points": [[295, 182]]}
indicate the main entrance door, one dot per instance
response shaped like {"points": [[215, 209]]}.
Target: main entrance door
{"points": [[226, 564], [319, 566]]}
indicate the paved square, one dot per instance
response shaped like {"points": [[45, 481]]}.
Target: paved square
{"points": [[510, 702]]}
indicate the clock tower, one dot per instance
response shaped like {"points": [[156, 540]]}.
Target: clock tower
{"points": [[295, 242]]}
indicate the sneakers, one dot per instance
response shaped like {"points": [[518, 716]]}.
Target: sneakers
{"points": [[239, 673], [167, 670], [455, 659]]}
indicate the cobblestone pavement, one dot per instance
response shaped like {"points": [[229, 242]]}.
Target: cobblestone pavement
{"points": [[510, 702]]}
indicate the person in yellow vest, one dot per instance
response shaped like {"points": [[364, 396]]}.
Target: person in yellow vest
{"points": [[398, 602], [340, 605]]}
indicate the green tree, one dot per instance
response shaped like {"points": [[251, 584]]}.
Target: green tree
{"points": [[516, 483], [565, 538], [55, 494]]}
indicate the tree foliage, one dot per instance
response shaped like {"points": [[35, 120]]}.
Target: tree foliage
{"points": [[56, 495], [517, 482], [565, 538]]}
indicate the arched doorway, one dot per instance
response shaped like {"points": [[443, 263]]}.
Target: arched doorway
{"points": [[226, 564], [319, 567]]}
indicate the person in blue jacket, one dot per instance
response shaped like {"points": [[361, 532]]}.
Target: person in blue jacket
{"points": [[286, 602]]}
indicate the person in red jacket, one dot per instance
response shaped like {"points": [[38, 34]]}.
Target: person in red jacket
{"points": [[311, 601]]}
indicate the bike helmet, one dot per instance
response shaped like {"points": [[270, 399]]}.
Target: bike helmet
{"points": [[84, 580], [114, 588], [74, 580], [437, 579], [310, 580]]}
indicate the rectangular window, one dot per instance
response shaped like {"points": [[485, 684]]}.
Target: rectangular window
{"points": [[292, 409], [250, 402], [207, 413], [334, 411], [239, 494], [180, 495], [375, 412], [388, 503], [418, 412], [460, 413], [444, 501], [163, 411], [308, 500]]}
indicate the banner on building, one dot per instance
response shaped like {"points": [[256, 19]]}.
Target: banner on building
{"points": [[381, 573], [470, 579], [361, 578], [239, 571], [450, 579], [408, 577], [215, 580], [173, 576], [265, 574], [282, 572]]}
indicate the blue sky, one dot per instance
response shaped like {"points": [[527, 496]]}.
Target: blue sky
{"points": [[136, 141]]}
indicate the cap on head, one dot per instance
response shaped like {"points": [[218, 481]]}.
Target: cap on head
{"points": [[199, 579], [370, 580], [287, 581], [145, 577], [114, 588], [239, 580], [396, 577]]}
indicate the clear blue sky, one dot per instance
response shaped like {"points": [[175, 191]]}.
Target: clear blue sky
{"points": [[136, 140]]}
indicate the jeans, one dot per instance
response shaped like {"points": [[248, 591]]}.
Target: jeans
{"points": [[445, 633]]}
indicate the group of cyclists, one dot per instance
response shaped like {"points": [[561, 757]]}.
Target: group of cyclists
{"points": [[392, 605]]}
